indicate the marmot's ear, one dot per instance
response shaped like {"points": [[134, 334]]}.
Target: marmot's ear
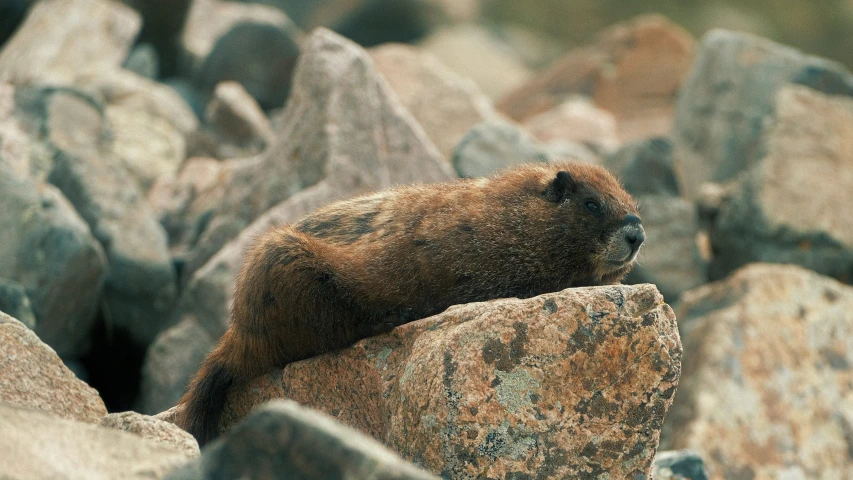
{"points": [[562, 186]]}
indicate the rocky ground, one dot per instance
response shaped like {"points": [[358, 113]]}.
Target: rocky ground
{"points": [[143, 145]]}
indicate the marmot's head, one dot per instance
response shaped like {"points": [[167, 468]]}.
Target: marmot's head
{"points": [[600, 215]]}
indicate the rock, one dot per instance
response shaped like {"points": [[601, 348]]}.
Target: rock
{"points": [[283, 440], [33, 376], [141, 283], [767, 390], [563, 385], [164, 22], [255, 45], [144, 61], [61, 38], [789, 205], [679, 465], [473, 52], [576, 120], [632, 69], [343, 127], [495, 145], [170, 363], [35, 445], [237, 122], [15, 303], [670, 257], [45, 247], [729, 96], [646, 167], [164, 433], [446, 105]]}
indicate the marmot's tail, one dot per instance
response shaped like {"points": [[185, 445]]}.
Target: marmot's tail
{"points": [[204, 401]]}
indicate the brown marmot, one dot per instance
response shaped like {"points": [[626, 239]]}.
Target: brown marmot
{"points": [[360, 267]]}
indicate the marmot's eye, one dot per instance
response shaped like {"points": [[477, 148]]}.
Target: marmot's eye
{"points": [[592, 206]]}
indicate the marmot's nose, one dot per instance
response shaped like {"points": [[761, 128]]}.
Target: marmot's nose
{"points": [[635, 237]]}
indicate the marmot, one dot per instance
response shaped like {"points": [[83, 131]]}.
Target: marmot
{"points": [[359, 267]]}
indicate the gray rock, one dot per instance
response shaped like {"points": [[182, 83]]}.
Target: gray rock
{"points": [[14, 302], [144, 61], [237, 122], [670, 257], [679, 465], [728, 97], [343, 126], [62, 38], [35, 445], [646, 167], [789, 205], [33, 376], [165, 433], [45, 246], [283, 440], [170, 363], [141, 283], [495, 145], [255, 45]]}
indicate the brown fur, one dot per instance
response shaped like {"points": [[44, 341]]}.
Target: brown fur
{"points": [[359, 267]]}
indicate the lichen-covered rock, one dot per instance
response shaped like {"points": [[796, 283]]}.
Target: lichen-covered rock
{"points": [[679, 465], [170, 363], [15, 303], [730, 95], [255, 45], [472, 51], [767, 385], [564, 385], [141, 283], [62, 38], [35, 445], [446, 105], [497, 144], [343, 127], [33, 376], [283, 440], [633, 69], [791, 204], [164, 433]]}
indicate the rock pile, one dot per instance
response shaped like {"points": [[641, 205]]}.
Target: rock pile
{"points": [[144, 144]]}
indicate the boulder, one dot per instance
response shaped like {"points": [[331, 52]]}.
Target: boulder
{"points": [[789, 206], [646, 167], [446, 105], [141, 283], [15, 303], [343, 126], [767, 390], [61, 38], [632, 69], [473, 52], [33, 376], [255, 45], [45, 247], [35, 445], [170, 363], [143, 60], [679, 465], [238, 125], [670, 258], [564, 385], [730, 95], [166, 434], [283, 440], [576, 120], [495, 145]]}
